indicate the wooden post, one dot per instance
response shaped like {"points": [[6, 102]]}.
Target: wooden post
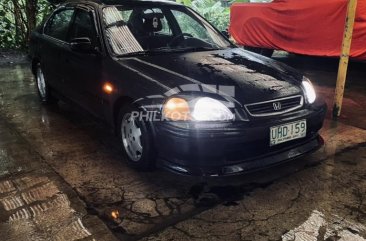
{"points": [[343, 62]]}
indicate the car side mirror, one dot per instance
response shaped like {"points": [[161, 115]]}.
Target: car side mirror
{"points": [[81, 45], [225, 33]]}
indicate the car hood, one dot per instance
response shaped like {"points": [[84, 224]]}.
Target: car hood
{"points": [[253, 77]]}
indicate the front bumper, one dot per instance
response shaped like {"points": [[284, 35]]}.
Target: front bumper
{"points": [[235, 148]]}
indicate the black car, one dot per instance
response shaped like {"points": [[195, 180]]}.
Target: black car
{"points": [[178, 93]]}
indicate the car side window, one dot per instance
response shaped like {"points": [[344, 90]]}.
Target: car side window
{"points": [[83, 26], [58, 25]]}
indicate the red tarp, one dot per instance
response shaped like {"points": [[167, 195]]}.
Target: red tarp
{"points": [[311, 27]]}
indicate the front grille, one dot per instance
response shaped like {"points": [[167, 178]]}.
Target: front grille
{"points": [[275, 107]]}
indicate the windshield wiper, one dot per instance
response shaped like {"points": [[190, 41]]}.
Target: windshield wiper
{"points": [[147, 52], [167, 50], [137, 53], [196, 49]]}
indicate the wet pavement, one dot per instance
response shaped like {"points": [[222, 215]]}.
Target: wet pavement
{"points": [[59, 165], [35, 202]]}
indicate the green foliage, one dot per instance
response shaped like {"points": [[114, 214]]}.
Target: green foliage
{"points": [[44, 8], [7, 28], [213, 10], [16, 23]]}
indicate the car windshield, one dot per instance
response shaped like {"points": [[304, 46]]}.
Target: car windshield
{"points": [[147, 29]]}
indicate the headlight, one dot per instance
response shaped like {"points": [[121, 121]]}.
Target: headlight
{"points": [[203, 109], [309, 90], [208, 109]]}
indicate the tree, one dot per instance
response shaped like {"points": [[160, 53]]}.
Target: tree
{"points": [[213, 10], [18, 18]]}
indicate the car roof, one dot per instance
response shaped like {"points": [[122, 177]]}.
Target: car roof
{"points": [[122, 2]]}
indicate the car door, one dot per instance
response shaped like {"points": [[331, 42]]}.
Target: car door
{"points": [[84, 67], [52, 48]]}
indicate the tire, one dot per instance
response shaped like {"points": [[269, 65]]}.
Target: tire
{"points": [[262, 51], [43, 88], [134, 133]]}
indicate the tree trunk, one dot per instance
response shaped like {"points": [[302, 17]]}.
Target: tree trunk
{"points": [[19, 24], [31, 14]]}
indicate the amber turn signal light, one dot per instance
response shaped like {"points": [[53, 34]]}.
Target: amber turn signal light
{"points": [[108, 88], [176, 109]]}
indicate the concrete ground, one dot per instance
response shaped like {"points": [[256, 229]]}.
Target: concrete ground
{"points": [[62, 177]]}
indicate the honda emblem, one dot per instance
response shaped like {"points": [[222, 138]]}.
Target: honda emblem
{"points": [[277, 105]]}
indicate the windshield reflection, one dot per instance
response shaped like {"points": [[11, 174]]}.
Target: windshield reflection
{"points": [[147, 30]]}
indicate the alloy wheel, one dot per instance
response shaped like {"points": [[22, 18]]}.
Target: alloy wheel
{"points": [[131, 137], [41, 84]]}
